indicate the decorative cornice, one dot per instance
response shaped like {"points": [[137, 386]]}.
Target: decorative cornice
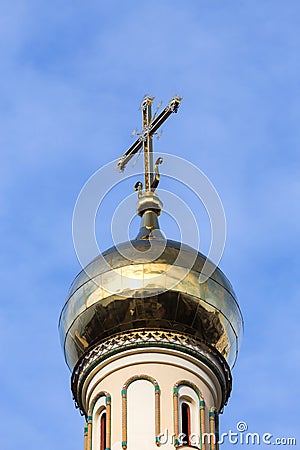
{"points": [[139, 339]]}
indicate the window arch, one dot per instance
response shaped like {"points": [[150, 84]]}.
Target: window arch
{"points": [[99, 423], [124, 407], [214, 428], [188, 414]]}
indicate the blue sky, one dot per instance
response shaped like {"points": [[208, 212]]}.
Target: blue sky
{"points": [[72, 76]]}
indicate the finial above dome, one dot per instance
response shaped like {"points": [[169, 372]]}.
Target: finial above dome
{"points": [[150, 127], [149, 208], [149, 205]]}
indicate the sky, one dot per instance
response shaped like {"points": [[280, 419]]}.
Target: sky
{"points": [[72, 77]]}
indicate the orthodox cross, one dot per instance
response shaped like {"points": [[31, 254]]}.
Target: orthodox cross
{"points": [[144, 141]]}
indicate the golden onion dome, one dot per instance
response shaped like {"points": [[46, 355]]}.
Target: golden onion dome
{"points": [[150, 284]]}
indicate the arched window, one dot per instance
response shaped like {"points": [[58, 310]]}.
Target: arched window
{"points": [[186, 422], [188, 417], [103, 430], [141, 421], [188, 410], [99, 420]]}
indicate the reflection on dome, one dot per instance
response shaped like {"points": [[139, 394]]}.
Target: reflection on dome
{"points": [[160, 294]]}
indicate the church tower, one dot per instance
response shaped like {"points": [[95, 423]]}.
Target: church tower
{"points": [[150, 331]]}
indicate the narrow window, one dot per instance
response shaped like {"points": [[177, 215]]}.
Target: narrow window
{"points": [[186, 422], [102, 431]]}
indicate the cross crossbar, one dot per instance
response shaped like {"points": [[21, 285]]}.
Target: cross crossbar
{"points": [[150, 127]]}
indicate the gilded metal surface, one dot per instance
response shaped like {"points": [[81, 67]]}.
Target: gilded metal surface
{"points": [[134, 295], [149, 228], [150, 127], [149, 201]]}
